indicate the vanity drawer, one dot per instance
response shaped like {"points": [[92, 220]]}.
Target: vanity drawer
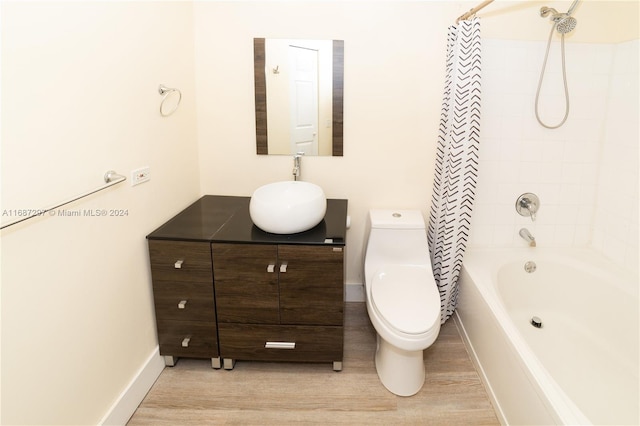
{"points": [[180, 261], [184, 301], [312, 344], [201, 337]]}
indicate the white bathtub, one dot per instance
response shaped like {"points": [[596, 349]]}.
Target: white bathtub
{"points": [[581, 366]]}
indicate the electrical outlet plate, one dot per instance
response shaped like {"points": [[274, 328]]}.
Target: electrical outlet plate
{"points": [[140, 175]]}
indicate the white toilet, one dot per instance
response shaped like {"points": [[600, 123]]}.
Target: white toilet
{"points": [[403, 301]]}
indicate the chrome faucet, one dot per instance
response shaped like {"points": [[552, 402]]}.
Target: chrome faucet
{"points": [[296, 165], [526, 235]]}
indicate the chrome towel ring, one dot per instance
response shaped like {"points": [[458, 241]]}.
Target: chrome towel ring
{"points": [[165, 92]]}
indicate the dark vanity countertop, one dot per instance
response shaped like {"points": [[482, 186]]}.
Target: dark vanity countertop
{"points": [[218, 218]]}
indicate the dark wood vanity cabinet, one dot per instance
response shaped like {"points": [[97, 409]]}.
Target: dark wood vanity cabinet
{"points": [[184, 303], [278, 302], [224, 289]]}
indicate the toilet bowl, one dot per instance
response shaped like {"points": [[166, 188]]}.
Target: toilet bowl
{"points": [[402, 297]]}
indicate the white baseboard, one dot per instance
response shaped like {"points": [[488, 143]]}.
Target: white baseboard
{"points": [[131, 397], [355, 292]]}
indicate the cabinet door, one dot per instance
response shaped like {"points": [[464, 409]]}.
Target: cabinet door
{"points": [[245, 289], [180, 261], [195, 339], [312, 288], [183, 297], [311, 343], [184, 301]]}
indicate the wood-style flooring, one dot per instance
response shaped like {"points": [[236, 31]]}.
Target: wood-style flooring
{"points": [[260, 393]]}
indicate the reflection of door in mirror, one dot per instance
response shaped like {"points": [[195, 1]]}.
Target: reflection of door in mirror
{"points": [[299, 89], [303, 83], [298, 93]]}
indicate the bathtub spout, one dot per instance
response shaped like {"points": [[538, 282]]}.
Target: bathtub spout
{"points": [[526, 235]]}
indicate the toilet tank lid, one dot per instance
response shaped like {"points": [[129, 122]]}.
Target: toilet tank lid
{"points": [[397, 219]]}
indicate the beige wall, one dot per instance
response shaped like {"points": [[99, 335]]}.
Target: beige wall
{"points": [[394, 75], [393, 83], [79, 97]]}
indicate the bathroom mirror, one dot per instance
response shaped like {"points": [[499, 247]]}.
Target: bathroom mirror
{"points": [[299, 96]]}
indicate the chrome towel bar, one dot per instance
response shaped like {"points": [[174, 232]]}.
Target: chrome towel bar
{"points": [[111, 178]]}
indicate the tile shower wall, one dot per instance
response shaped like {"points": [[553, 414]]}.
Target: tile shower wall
{"points": [[616, 212], [562, 166]]}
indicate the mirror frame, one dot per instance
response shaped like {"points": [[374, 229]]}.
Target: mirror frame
{"points": [[260, 83]]}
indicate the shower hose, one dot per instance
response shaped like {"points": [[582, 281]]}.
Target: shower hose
{"points": [[564, 78]]}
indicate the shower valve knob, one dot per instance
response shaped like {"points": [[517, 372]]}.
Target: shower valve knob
{"points": [[527, 205]]}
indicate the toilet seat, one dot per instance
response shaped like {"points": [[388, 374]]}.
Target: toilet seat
{"points": [[406, 298]]}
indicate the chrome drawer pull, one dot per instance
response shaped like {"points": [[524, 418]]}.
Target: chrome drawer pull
{"points": [[283, 268], [271, 268], [280, 345], [182, 304], [178, 264], [185, 342]]}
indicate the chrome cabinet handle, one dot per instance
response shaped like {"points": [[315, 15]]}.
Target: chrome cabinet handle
{"points": [[283, 268], [182, 304], [280, 345], [271, 268], [185, 342], [178, 264]]}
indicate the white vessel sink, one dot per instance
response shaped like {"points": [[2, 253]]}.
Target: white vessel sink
{"points": [[287, 207]]}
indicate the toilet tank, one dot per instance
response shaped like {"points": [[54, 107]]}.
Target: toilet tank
{"points": [[396, 219], [396, 237]]}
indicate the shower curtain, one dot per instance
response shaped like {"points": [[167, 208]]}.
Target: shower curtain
{"points": [[456, 168]]}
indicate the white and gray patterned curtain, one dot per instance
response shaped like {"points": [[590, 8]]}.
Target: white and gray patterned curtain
{"points": [[456, 162]]}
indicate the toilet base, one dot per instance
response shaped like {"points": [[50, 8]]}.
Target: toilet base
{"points": [[401, 372]]}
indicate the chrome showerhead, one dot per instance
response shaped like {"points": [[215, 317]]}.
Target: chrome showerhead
{"points": [[566, 24]]}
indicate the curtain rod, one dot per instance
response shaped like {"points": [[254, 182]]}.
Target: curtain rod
{"points": [[473, 11]]}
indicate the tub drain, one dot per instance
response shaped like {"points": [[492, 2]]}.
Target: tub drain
{"points": [[536, 322], [530, 266]]}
